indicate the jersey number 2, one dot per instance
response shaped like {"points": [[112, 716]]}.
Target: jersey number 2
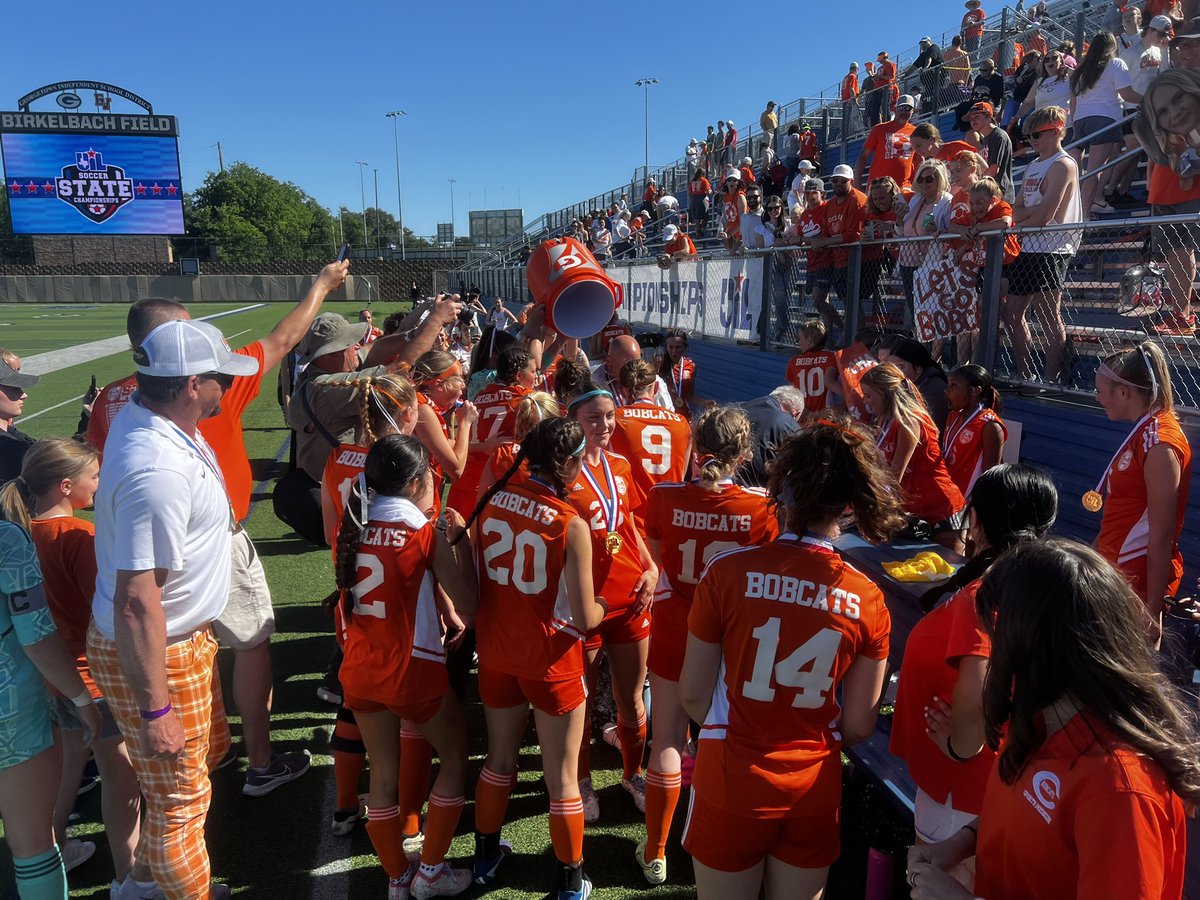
{"points": [[809, 668]]}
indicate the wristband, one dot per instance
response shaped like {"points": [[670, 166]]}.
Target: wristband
{"points": [[954, 756], [149, 715], [84, 699]]}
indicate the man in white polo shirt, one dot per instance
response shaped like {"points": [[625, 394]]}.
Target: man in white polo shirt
{"points": [[163, 559]]}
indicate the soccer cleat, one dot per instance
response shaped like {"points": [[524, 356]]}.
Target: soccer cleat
{"points": [[330, 689], [401, 888], [584, 891], [284, 767], [413, 845], [445, 882], [636, 786], [344, 820], [485, 870], [591, 802], [655, 870], [76, 853]]}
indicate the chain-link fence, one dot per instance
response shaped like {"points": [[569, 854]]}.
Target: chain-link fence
{"points": [[1045, 316]]}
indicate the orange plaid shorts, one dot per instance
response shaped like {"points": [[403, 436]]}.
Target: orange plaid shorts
{"points": [[177, 791]]}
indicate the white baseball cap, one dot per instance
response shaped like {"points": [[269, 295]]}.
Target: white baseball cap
{"points": [[906, 100], [180, 348], [842, 171], [669, 232], [805, 165]]}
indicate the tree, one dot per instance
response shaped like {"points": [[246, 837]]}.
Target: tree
{"points": [[382, 229], [254, 217]]}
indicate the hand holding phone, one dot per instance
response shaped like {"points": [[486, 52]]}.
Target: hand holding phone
{"points": [[342, 252]]}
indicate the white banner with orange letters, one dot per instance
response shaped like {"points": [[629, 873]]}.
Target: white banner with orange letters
{"points": [[946, 302], [715, 298]]}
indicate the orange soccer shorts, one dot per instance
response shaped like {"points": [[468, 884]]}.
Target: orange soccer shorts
{"points": [[807, 842], [418, 713], [500, 690], [177, 791], [623, 626], [668, 638]]}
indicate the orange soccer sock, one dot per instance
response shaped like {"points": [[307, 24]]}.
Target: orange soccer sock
{"points": [[491, 800], [416, 765], [632, 739], [386, 830], [585, 751], [662, 796], [566, 830], [444, 813], [349, 755]]}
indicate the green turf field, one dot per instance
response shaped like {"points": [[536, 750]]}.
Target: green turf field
{"points": [[279, 846]]}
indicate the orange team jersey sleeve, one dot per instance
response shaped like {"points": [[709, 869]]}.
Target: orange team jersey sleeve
{"points": [[341, 468], [791, 617], [392, 637], [614, 573], [524, 624], [809, 372], [111, 401], [692, 525], [496, 404], [500, 460], [656, 442], [224, 433], [1080, 796], [66, 549]]}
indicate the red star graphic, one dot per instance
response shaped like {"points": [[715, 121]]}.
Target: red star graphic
{"points": [[31, 187], [171, 189], [91, 153], [15, 188], [155, 189], [141, 188], [48, 187]]}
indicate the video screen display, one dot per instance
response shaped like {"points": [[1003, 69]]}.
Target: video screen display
{"points": [[92, 184]]}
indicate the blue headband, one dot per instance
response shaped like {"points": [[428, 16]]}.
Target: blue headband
{"points": [[590, 395]]}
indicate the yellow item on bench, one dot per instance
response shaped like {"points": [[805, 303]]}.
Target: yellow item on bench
{"points": [[925, 566]]}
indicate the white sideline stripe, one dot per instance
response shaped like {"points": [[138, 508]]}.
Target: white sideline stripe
{"points": [[56, 360], [24, 419], [333, 863]]}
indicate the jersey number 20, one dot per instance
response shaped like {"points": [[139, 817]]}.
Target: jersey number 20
{"points": [[529, 555]]}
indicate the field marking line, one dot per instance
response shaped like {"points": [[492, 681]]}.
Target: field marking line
{"points": [[258, 488], [23, 419], [56, 360]]}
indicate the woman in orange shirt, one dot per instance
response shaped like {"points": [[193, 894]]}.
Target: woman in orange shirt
{"points": [[686, 526], [608, 498], [774, 631], [1097, 754], [440, 385], [678, 371], [59, 477], [656, 441], [973, 441], [391, 563], [530, 410], [939, 707]]}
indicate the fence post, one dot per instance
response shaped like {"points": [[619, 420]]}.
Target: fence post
{"points": [[989, 313], [1080, 24], [852, 300], [825, 128], [1005, 60], [765, 310]]}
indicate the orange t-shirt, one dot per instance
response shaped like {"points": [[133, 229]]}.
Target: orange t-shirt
{"points": [[497, 404], [929, 493], [999, 210], [681, 378], [972, 23], [341, 468], [613, 574], [392, 641], [439, 476], [733, 214], [845, 219], [934, 647], [700, 187], [656, 442], [891, 152], [810, 373], [811, 222], [66, 549], [681, 243], [524, 623], [1087, 817], [853, 362], [850, 87], [1166, 187], [607, 333], [962, 445], [1125, 529], [790, 617], [223, 431]]}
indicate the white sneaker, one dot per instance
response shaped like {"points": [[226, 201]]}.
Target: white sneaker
{"points": [[1102, 207], [591, 802], [344, 820], [446, 882], [637, 790], [138, 890], [76, 853], [413, 845], [401, 888], [655, 870]]}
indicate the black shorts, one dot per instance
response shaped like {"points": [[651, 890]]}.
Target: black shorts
{"points": [[1180, 234], [1036, 273]]}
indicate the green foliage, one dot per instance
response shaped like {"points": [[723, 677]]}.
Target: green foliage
{"points": [[253, 217], [382, 229]]}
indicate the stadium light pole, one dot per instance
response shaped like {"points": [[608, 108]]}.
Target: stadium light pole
{"points": [[362, 195], [452, 235], [395, 115], [645, 83]]}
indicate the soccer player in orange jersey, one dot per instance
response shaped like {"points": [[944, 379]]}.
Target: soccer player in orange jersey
{"points": [[625, 575], [656, 441], [678, 372], [1144, 490], [534, 407], [536, 603], [810, 369], [440, 386], [390, 564], [774, 631], [516, 373], [1097, 755], [973, 441], [686, 525]]}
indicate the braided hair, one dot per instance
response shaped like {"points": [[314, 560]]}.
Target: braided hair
{"points": [[381, 400], [723, 438]]}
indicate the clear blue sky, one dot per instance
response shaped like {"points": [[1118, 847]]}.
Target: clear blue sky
{"points": [[531, 100]]}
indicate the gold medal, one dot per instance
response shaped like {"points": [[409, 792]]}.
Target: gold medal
{"points": [[1092, 501], [613, 542]]}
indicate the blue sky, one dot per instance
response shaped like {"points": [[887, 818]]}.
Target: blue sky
{"points": [[506, 98]]}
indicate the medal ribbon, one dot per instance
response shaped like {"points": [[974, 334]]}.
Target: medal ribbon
{"points": [[207, 457], [811, 542], [1102, 484], [678, 379], [609, 503], [961, 428]]}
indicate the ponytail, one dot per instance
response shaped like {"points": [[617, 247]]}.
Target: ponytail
{"points": [[723, 438], [45, 465], [978, 378], [16, 502]]}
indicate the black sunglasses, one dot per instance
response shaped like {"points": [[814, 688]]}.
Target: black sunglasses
{"points": [[926, 179], [224, 380]]}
